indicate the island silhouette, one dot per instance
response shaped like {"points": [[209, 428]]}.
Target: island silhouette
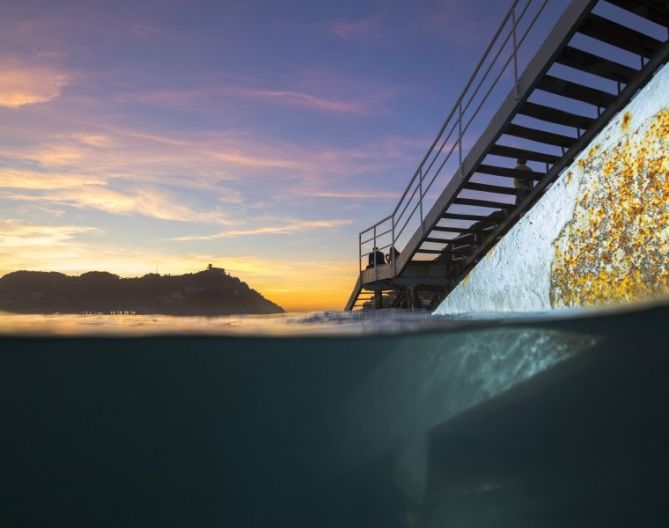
{"points": [[208, 292]]}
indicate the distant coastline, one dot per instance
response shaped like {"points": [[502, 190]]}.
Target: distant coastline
{"points": [[208, 292]]}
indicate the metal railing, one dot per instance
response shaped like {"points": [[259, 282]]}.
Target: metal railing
{"points": [[445, 155]]}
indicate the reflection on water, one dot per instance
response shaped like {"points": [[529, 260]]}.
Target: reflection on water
{"points": [[335, 420]]}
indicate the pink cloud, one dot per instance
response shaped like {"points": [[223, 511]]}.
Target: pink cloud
{"points": [[452, 20], [24, 84], [144, 30], [350, 29], [283, 97], [308, 101]]}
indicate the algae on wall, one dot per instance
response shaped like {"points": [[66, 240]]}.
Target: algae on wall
{"points": [[599, 235]]}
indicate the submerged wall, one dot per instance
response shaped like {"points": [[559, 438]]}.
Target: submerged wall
{"points": [[599, 235]]}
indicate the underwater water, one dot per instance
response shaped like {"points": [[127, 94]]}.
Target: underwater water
{"points": [[336, 420]]}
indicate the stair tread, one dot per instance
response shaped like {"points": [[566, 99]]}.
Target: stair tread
{"points": [[585, 61], [429, 251], [448, 229], [653, 10], [541, 136], [514, 152], [575, 91], [506, 172], [555, 115], [482, 203], [484, 187], [458, 216], [606, 30]]}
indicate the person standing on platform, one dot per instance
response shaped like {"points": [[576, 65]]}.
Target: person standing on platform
{"points": [[375, 258], [523, 186]]}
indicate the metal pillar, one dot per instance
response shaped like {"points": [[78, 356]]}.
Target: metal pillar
{"points": [[378, 299]]}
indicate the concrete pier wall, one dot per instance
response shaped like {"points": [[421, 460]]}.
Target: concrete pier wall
{"points": [[599, 235]]}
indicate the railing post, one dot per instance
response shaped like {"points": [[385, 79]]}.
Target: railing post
{"points": [[360, 252], [420, 197], [515, 49]]}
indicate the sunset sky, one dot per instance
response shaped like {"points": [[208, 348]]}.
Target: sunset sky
{"points": [[259, 136]]}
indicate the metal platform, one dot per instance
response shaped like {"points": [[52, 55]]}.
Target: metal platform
{"points": [[461, 200]]}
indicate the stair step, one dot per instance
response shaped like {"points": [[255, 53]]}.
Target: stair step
{"points": [[513, 152], [436, 240], [509, 173], [446, 229], [654, 10], [541, 136], [458, 216], [482, 203], [553, 115], [429, 251], [490, 188], [575, 91], [469, 239], [587, 62], [460, 249], [606, 30]]}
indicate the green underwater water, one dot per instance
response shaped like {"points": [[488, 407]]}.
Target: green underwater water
{"points": [[336, 420]]}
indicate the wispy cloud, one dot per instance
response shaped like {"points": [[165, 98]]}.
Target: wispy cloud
{"points": [[285, 97], [15, 234], [455, 21], [306, 100], [30, 180], [362, 194], [94, 140], [81, 191], [148, 202], [292, 227], [144, 30], [353, 28], [24, 84]]}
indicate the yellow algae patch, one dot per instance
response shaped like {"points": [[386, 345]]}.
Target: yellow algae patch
{"points": [[625, 123], [570, 175], [616, 247]]}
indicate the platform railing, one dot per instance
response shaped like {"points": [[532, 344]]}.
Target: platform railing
{"points": [[445, 156]]}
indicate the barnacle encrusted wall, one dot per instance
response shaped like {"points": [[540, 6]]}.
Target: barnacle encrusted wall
{"points": [[599, 235]]}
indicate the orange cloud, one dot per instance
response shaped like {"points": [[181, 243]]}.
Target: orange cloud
{"points": [[75, 191], [94, 140], [29, 180], [14, 234], [22, 84]]}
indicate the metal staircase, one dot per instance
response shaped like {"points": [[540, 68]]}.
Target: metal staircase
{"points": [[464, 196]]}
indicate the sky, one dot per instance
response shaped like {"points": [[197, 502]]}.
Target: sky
{"points": [[258, 136]]}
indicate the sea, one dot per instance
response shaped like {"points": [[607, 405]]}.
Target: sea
{"points": [[336, 419]]}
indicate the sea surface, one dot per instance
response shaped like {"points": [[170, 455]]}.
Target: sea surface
{"points": [[333, 419]]}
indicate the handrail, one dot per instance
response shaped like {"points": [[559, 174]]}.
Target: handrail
{"points": [[416, 187]]}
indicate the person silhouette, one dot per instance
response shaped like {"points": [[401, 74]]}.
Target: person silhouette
{"points": [[375, 258], [523, 186]]}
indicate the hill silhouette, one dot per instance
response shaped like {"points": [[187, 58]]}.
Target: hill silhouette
{"points": [[208, 292]]}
